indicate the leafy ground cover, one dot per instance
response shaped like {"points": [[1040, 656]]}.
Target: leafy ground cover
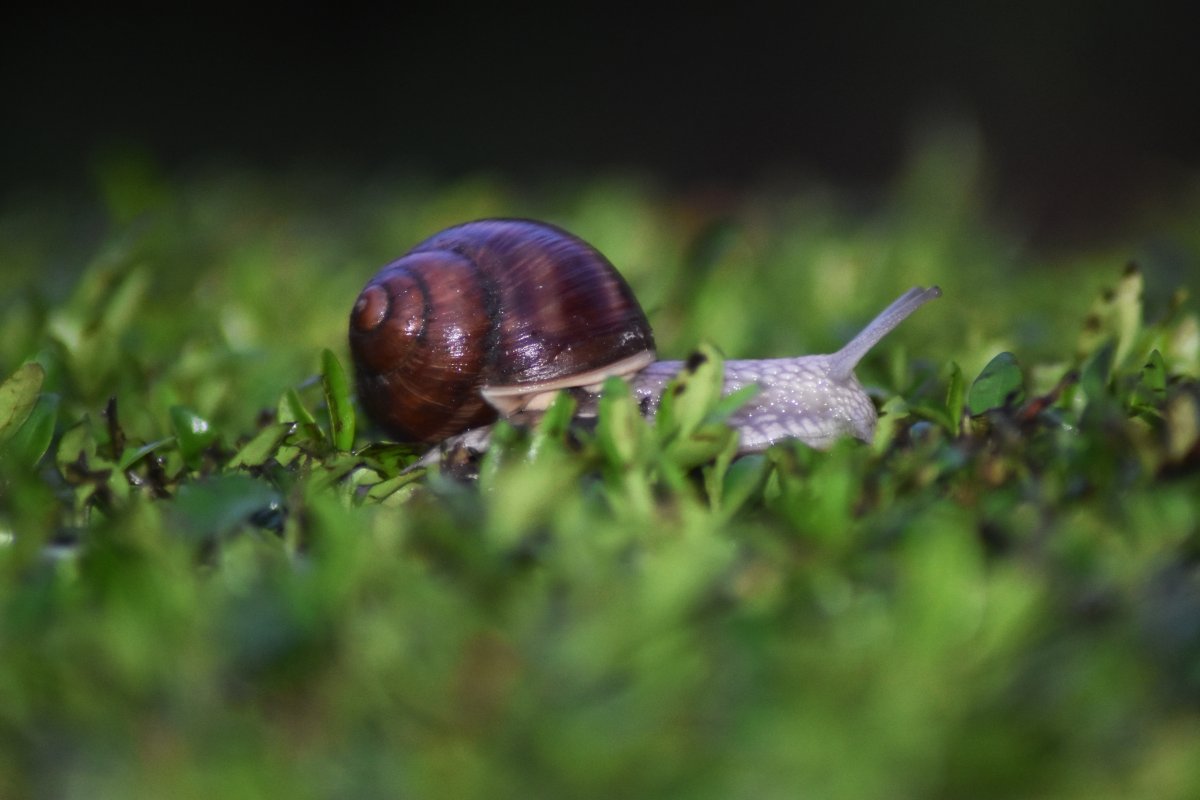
{"points": [[216, 580]]}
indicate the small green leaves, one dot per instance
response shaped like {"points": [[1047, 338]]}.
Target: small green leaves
{"points": [[32, 439], [892, 416], [1117, 315], [292, 409], [949, 415], [741, 482], [193, 434], [27, 416], [689, 429], [956, 399], [90, 329], [691, 395], [1127, 310], [263, 446], [1000, 384], [1151, 389], [213, 507], [1097, 372], [232, 590], [18, 396], [77, 444], [132, 455], [337, 400], [621, 432], [690, 424], [552, 429]]}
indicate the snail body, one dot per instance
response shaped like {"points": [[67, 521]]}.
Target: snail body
{"points": [[491, 318], [815, 398]]}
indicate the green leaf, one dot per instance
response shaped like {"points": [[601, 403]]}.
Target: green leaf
{"points": [[76, 441], [621, 431], [18, 396], [291, 408], [1116, 315], [131, 457], [700, 446], [743, 480], [1154, 374], [690, 423], [193, 434], [730, 403], [956, 398], [714, 473], [126, 298], [309, 434], [894, 411], [385, 489], [337, 398], [263, 446], [1097, 372], [820, 502], [503, 447], [1151, 390], [1001, 383], [552, 428], [1127, 310], [30, 442], [691, 395], [388, 458], [215, 506], [333, 471], [936, 414]]}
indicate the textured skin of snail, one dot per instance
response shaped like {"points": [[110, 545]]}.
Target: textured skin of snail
{"points": [[816, 399], [493, 317], [797, 399]]}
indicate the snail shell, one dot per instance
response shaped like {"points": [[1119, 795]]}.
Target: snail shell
{"points": [[484, 317]]}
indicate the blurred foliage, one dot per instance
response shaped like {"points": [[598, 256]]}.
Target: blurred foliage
{"points": [[216, 581]]}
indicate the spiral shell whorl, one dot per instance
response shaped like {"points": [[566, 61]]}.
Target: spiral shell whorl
{"points": [[418, 334]]}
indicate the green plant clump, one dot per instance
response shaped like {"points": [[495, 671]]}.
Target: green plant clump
{"points": [[218, 580]]}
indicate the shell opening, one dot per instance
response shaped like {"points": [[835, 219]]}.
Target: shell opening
{"points": [[509, 400]]}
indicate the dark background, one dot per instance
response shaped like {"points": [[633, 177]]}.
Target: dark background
{"points": [[1086, 110]]}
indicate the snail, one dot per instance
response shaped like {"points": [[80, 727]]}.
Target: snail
{"points": [[491, 318]]}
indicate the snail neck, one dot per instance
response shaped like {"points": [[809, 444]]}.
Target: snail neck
{"points": [[843, 362]]}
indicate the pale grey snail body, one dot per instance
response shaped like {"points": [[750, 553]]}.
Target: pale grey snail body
{"points": [[492, 318], [816, 399]]}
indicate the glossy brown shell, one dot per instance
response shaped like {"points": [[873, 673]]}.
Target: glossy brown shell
{"points": [[492, 303]]}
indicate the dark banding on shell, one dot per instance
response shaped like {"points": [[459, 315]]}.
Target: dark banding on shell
{"points": [[484, 304]]}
